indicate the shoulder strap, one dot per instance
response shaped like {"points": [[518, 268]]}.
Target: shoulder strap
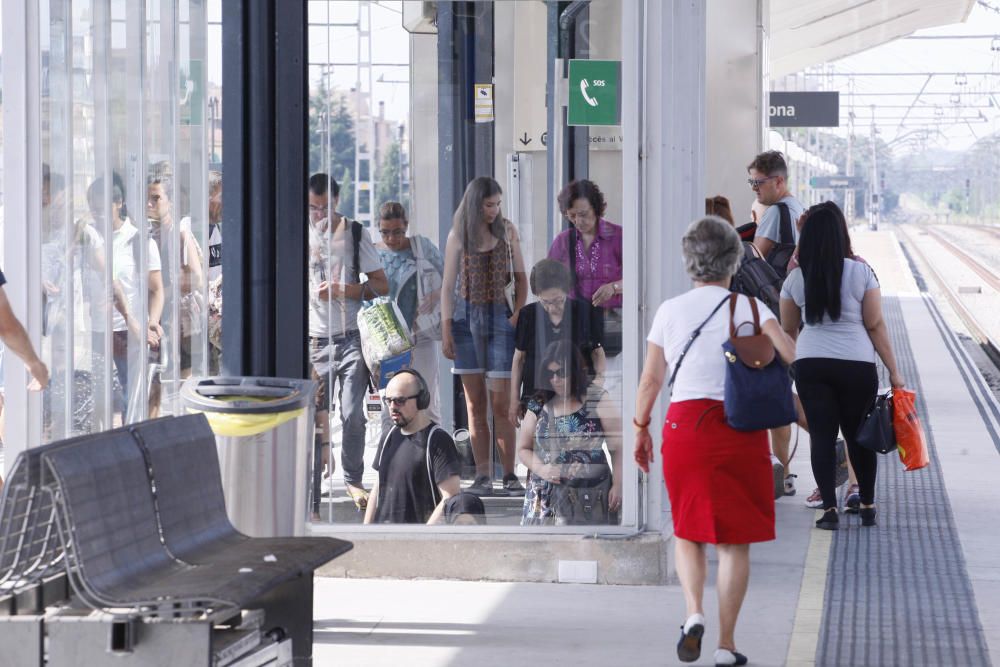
{"points": [[510, 251], [418, 254], [691, 339], [572, 259], [356, 230], [732, 315], [385, 441], [427, 457], [785, 228]]}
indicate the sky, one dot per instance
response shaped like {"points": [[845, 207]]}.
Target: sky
{"points": [[955, 114]]}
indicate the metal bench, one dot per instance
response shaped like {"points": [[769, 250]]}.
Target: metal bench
{"points": [[136, 521]]}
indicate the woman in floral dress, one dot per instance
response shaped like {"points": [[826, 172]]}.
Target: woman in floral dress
{"points": [[560, 441]]}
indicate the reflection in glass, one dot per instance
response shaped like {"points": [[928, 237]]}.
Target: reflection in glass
{"points": [[566, 424]]}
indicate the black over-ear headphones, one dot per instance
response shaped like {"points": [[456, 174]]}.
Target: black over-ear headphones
{"points": [[424, 395]]}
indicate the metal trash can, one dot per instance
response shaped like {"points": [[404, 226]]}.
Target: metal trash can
{"points": [[264, 435]]}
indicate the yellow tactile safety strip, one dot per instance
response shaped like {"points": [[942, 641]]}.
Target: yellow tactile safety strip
{"points": [[809, 612]]}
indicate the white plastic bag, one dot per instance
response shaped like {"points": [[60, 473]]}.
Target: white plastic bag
{"points": [[384, 333]]}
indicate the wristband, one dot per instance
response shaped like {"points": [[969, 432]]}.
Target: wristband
{"points": [[636, 423]]}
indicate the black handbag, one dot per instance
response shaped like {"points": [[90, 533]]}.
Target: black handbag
{"points": [[876, 432]]}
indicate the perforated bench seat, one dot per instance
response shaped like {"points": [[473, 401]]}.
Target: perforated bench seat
{"points": [[192, 508]]}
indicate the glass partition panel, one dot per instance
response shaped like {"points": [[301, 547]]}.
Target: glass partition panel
{"points": [[114, 207], [499, 244]]}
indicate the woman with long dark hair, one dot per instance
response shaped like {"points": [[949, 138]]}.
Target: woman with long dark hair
{"points": [[835, 368], [483, 258]]}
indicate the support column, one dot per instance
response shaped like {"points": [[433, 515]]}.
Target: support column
{"points": [[265, 174], [22, 203], [664, 179], [735, 98]]}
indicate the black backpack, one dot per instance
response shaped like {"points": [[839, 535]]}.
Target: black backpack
{"points": [[757, 278], [783, 250]]}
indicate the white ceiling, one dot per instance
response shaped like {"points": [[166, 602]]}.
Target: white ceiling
{"points": [[811, 32]]}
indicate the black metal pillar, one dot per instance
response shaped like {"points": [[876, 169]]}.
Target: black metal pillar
{"points": [[265, 172], [465, 148], [568, 30]]}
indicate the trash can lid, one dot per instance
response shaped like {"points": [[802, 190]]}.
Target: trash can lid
{"points": [[247, 394]]}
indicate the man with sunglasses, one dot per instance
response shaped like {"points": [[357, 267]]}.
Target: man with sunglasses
{"points": [[776, 238], [417, 462], [768, 178]]}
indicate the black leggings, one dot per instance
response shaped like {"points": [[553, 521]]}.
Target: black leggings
{"points": [[835, 395]]}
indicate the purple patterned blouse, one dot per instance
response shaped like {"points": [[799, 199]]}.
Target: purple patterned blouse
{"points": [[598, 266]]}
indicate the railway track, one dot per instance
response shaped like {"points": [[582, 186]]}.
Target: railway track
{"points": [[990, 346]]}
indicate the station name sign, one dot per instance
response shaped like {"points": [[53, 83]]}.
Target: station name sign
{"points": [[838, 182], [804, 109]]}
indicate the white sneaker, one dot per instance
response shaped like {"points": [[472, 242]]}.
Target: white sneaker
{"points": [[778, 470], [790, 485]]}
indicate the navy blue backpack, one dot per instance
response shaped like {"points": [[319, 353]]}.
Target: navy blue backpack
{"points": [[758, 389]]}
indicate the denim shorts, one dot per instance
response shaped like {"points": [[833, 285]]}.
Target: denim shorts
{"points": [[484, 339]]}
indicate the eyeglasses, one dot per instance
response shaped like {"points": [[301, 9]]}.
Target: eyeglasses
{"points": [[318, 209], [757, 182], [398, 401], [392, 233], [557, 373], [552, 303], [579, 215]]}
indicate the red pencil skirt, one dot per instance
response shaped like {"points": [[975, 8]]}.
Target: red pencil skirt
{"points": [[719, 479]]}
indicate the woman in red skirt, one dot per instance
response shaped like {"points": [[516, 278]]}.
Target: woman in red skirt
{"points": [[719, 479]]}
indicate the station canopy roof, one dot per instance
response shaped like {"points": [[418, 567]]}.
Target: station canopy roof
{"points": [[812, 32]]}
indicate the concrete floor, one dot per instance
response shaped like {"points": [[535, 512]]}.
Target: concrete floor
{"points": [[388, 622]]}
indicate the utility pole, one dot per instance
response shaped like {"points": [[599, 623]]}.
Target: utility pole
{"points": [[849, 193], [873, 216]]}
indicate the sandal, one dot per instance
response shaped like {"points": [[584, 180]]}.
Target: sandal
{"points": [[359, 496]]}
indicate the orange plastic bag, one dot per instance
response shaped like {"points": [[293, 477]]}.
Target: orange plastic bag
{"points": [[910, 440]]}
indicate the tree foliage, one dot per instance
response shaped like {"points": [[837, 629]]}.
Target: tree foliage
{"points": [[331, 141], [389, 180]]}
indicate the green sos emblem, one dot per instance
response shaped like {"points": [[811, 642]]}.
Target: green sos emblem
{"points": [[594, 92]]}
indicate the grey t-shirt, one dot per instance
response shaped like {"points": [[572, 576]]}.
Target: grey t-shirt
{"points": [[769, 226], [846, 338]]}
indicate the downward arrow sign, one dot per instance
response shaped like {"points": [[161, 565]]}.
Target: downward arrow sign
{"points": [[525, 140]]}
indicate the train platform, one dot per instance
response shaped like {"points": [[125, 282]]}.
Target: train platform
{"points": [[922, 588]]}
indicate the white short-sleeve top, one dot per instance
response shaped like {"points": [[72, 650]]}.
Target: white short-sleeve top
{"points": [[703, 373]]}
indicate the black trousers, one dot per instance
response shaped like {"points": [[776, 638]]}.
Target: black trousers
{"points": [[835, 395]]}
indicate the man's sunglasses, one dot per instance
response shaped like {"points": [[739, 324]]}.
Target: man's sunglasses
{"points": [[757, 182], [398, 401]]}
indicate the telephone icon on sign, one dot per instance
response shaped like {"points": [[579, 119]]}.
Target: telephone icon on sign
{"points": [[584, 84]]}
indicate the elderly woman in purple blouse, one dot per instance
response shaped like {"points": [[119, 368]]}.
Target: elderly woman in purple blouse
{"points": [[592, 248]]}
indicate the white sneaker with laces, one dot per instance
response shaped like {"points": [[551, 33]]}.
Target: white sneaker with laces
{"points": [[815, 500], [790, 485], [778, 470]]}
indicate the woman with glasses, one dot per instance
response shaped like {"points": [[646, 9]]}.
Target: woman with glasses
{"points": [[592, 249], [555, 316], [414, 267], [561, 443]]}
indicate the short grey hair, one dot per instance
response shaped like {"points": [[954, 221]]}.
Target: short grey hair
{"points": [[712, 249]]}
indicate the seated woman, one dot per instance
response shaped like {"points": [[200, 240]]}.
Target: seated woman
{"points": [[560, 442], [555, 316]]}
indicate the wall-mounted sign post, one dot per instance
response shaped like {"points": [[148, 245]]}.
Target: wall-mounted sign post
{"points": [[804, 109]]}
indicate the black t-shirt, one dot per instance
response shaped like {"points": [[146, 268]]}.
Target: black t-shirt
{"points": [[3, 279], [581, 324], [405, 494]]}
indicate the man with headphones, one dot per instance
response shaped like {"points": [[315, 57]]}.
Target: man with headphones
{"points": [[417, 462]]}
